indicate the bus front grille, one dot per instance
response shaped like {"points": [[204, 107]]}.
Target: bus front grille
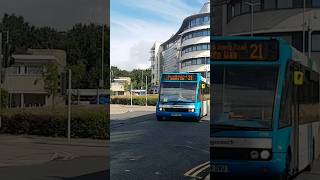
{"points": [[176, 110]]}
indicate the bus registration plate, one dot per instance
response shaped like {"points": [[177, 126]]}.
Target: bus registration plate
{"points": [[176, 114], [220, 168]]}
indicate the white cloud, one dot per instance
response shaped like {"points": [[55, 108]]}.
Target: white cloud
{"points": [[132, 39]]}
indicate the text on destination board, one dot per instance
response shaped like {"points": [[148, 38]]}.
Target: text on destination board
{"points": [[245, 50], [179, 77]]}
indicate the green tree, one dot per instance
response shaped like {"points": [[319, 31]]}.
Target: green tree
{"points": [[139, 77], [82, 43], [78, 72], [4, 98], [126, 86], [51, 81], [116, 72]]}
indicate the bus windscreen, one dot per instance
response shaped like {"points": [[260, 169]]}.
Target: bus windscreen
{"points": [[178, 92]]}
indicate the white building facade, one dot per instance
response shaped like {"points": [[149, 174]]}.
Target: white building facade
{"points": [[155, 63], [20, 79], [189, 49]]}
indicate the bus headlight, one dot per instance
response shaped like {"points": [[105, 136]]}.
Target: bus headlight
{"points": [[160, 109], [265, 154], [190, 110], [254, 154]]}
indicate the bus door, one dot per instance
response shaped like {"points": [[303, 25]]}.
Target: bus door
{"points": [[301, 130], [305, 126], [204, 91], [295, 120]]}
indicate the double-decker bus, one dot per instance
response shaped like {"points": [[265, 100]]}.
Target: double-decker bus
{"points": [[184, 96], [265, 108]]}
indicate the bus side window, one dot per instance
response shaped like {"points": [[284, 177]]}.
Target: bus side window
{"points": [[286, 99]]}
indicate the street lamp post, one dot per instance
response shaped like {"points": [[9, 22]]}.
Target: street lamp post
{"points": [[69, 107], [102, 58], [310, 31], [146, 90], [252, 4], [0, 79], [303, 28]]}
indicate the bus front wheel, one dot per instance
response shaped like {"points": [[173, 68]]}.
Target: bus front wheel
{"points": [[200, 116], [286, 175]]}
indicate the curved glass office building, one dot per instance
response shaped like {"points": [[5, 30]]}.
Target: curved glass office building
{"points": [[189, 49]]}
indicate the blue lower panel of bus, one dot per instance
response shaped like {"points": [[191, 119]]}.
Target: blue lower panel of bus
{"points": [[274, 167], [182, 115]]}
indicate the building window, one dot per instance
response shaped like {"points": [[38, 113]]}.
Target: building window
{"points": [[315, 3], [206, 20], [257, 7], [245, 8], [193, 23], [195, 61], [21, 70], [237, 9], [199, 21], [269, 4], [195, 34], [285, 4], [34, 70], [316, 42], [198, 47], [199, 61]]}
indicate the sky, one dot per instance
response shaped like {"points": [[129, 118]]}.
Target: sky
{"points": [[136, 24], [60, 14]]}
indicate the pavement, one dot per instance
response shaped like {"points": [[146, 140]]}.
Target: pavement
{"points": [[144, 148], [314, 174], [122, 109], [22, 155]]}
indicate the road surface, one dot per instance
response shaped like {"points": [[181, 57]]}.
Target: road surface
{"points": [[41, 158], [144, 148]]}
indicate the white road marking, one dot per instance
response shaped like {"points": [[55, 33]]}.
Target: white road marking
{"points": [[194, 172]]}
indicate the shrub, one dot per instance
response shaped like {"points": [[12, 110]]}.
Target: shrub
{"points": [[85, 123], [136, 100]]}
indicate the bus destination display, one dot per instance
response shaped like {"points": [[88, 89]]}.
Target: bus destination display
{"points": [[245, 50], [179, 77]]}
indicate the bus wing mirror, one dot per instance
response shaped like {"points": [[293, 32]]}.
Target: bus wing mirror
{"points": [[298, 78]]}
